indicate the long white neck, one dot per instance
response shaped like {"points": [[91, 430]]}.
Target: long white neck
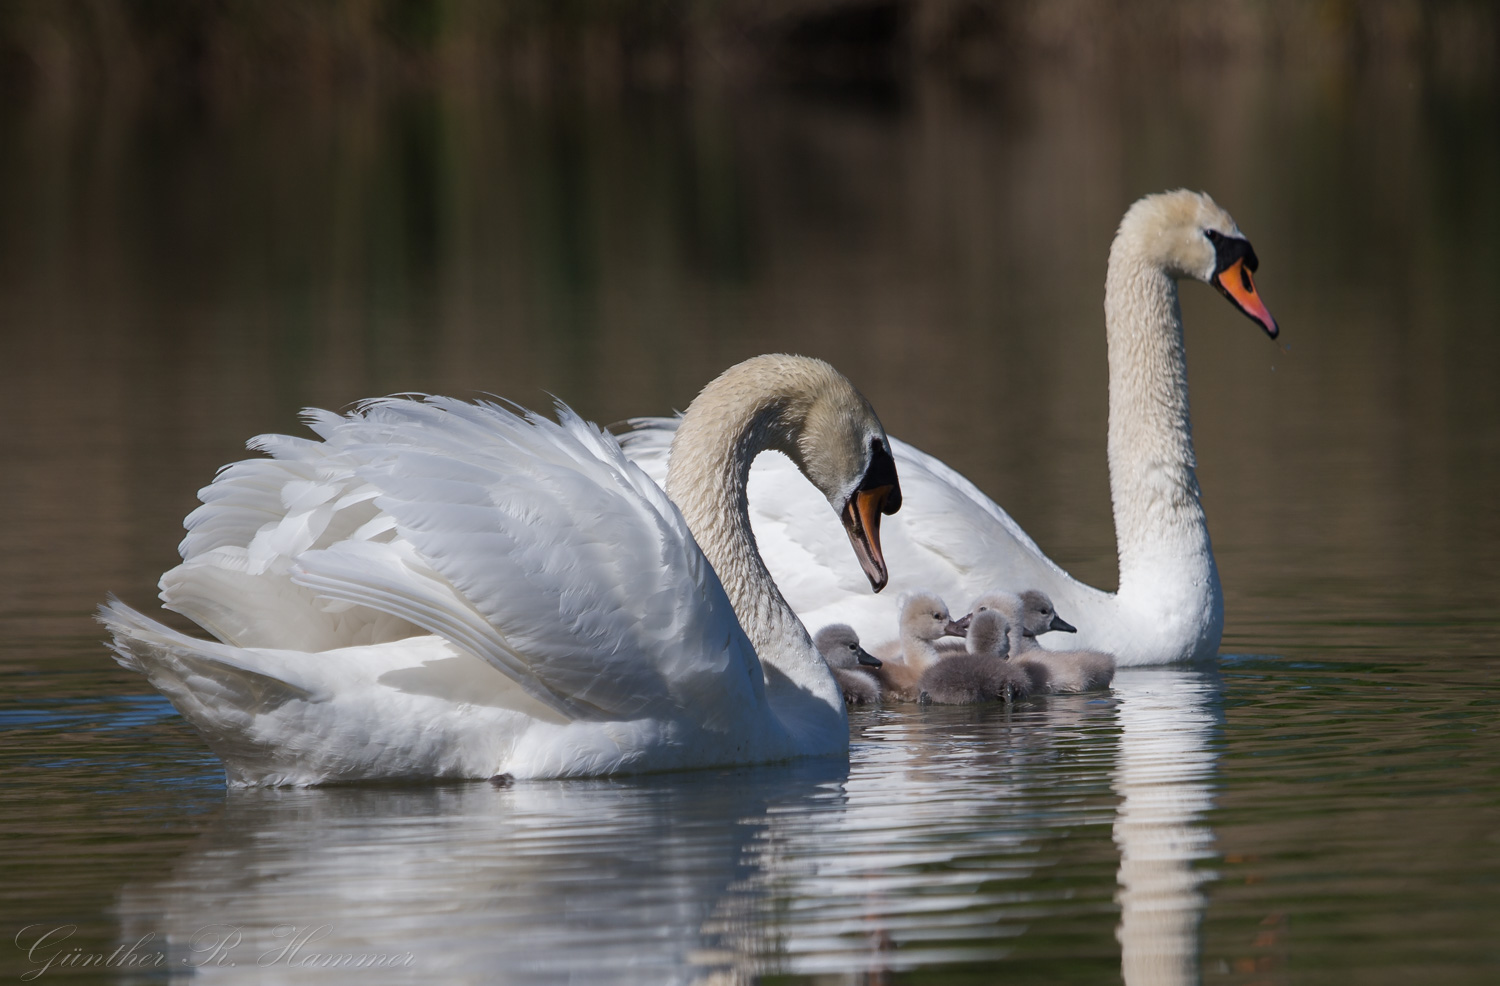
{"points": [[1167, 569], [722, 432]]}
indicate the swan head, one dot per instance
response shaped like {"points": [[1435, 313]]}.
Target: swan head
{"points": [[841, 447], [839, 645], [806, 409], [925, 616], [989, 634], [1186, 234]]}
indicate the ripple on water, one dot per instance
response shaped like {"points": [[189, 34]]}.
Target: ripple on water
{"points": [[1225, 821]]}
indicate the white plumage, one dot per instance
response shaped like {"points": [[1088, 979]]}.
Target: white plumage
{"points": [[444, 589], [953, 540]]}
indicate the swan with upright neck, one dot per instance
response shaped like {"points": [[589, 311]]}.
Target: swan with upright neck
{"points": [[439, 589], [954, 540]]}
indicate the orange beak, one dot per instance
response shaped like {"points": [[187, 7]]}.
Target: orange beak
{"points": [[861, 517], [1235, 283]]}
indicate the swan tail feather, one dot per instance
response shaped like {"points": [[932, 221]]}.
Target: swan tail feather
{"points": [[224, 699]]}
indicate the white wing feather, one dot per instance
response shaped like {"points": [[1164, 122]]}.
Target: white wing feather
{"points": [[534, 545]]}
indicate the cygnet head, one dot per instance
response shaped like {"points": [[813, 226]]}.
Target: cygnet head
{"points": [[810, 411], [1039, 616], [989, 634], [925, 617], [839, 645], [1186, 234], [1031, 611]]}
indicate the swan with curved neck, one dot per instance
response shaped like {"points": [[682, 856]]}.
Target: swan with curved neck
{"points": [[442, 589], [956, 541]]}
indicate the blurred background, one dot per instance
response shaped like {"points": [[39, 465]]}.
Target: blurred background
{"points": [[215, 213]]}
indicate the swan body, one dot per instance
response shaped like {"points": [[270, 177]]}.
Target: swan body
{"points": [[954, 540], [983, 674], [851, 664], [438, 589]]}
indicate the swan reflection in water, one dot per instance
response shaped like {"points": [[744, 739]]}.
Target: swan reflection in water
{"points": [[1168, 718], [959, 837]]}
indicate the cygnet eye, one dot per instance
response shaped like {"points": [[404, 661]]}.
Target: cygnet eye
{"points": [[937, 616]]}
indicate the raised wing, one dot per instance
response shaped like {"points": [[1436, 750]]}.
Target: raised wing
{"points": [[538, 547], [258, 516]]}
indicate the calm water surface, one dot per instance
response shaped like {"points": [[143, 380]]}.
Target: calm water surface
{"points": [[1320, 805]]}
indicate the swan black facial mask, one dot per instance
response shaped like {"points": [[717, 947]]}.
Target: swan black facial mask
{"points": [[1234, 261]]}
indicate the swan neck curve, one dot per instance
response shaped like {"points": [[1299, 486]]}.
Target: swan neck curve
{"points": [[726, 427], [1166, 561]]}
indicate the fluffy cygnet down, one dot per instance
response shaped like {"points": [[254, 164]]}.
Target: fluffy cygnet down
{"points": [[1057, 672], [924, 621], [839, 645], [983, 674], [1068, 671], [1030, 613]]}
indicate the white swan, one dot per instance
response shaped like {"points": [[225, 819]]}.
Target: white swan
{"points": [[443, 589], [954, 540]]}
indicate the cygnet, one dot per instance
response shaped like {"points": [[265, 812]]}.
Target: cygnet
{"points": [[983, 674], [839, 645], [924, 621], [1054, 671]]}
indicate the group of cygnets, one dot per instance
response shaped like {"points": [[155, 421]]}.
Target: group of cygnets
{"points": [[999, 659]]}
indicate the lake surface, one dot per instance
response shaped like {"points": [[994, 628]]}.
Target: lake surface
{"points": [[1320, 805]]}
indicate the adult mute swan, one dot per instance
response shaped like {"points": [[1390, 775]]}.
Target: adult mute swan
{"points": [[443, 589], [955, 541]]}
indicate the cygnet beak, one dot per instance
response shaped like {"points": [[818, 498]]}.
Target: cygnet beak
{"points": [[866, 658], [1058, 623], [957, 628]]}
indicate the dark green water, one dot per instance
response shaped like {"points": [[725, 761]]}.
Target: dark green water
{"points": [[1321, 806]]}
